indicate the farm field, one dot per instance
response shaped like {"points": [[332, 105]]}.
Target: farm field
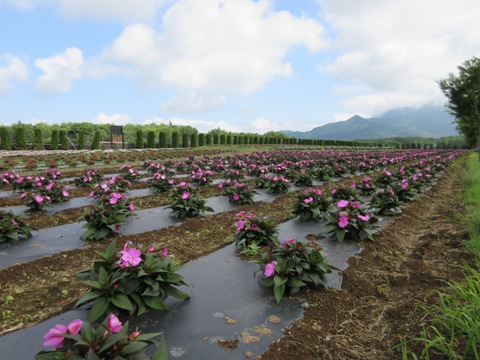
{"points": [[416, 250]]}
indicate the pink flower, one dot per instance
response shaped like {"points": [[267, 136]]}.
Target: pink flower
{"points": [[114, 325], [240, 214], [240, 225], [54, 336], [130, 257], [364, 217], [185, 195], [342, 203], [113, 201], [307, 201], [220, 186], [151, 249], [343, 221], [171, 182], [165, 252], [75, 326], [289, 241], [334, 191], [270, 269], [254, 227], [39, 199], [236, 197], [131, 207], [355, 204], [91, 193], [14, 223], [65, 193]]}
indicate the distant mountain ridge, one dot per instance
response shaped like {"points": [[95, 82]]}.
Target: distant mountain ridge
{"points": [[427, 121]]}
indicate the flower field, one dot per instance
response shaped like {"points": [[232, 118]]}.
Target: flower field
{"points": [[397, 205]]}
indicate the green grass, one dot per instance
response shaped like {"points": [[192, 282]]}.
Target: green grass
{"points": [[454, 329]]}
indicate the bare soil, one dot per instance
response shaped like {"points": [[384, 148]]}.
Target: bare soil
{"points": [[374, 309]]}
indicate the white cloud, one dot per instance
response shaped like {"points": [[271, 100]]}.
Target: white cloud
{"points": [[203, 126], [20, 4], [397, 49], [117, 119], [59, 72], [206, 47], [11, 68], [124, 10]]}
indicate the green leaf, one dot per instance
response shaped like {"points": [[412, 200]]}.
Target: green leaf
{"points": [[154, 303], [100, 306], [122, 301], [134, 347], [279, 280], [177, 294], [91, 355], [87, 297], [161, 353], [111, 339], [340, 234], [50, 355], [278, 291]]}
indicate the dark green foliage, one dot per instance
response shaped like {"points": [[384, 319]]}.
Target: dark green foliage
{"points": [[463, 93], [184, 140], [139, 143], [201, 139], [215, 139], [54, 140], [62, 138], [5, 138], [151, 139], [20, 139], [81, 140], [96, 141], [209, 139], [37, 139], [193, 140], [162, 140], [175, 139]]}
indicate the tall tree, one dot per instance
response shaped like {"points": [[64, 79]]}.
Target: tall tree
{"points": [[5, 137], [162, 139], [54, 140], [463, 93], [95, 145], [81, 140], [62, 136], [20, 139], [151, 139], [37, 139]]}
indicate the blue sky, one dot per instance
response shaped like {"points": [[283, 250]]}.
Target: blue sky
{"points": [[240, 65]]}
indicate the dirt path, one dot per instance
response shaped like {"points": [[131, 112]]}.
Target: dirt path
{"points": [[384, 284]]}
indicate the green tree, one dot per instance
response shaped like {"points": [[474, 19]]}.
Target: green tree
{"points": [[463, 94], [184, 140], [201, 139], [209, 139], [37, 139], [193, 140], [151, 139], [139, 142], [54, 140], [20, 139], [162, 139], [175, 142], [62, 138], [96, 141], [5, 137], [81, 140]]}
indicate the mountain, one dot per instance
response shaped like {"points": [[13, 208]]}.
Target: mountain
{"points": [[427, 121]]}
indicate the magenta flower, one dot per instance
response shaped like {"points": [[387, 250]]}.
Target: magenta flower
{"points": [[240, 225], [355, 204], [240, 214], [254, 227], [165, 252], [364, 217], [54, 336], [39, 199], [75, 326], [343, 221], [114, 325], [185, 195], [236, 197], [342, 203], [289, 241], [307, 201], [113, 201], [270, 269], [130, 257], [14, 223], [131, 207]]}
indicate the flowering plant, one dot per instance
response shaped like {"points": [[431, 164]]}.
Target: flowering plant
{"points": [[311, 204], [234, 174], [57, 192], [90, 177], [111, 340], [302, 178], [404, 191], [349, 217], [133, 280], [291, 265], [107, 216], [239, 193], [129, 172], [161, 182], [114, 184], [8, 178], [12, 227], [274, 184], [201, 177], [345, 192], [365, 187], [185, 201], [35, 201], [385, 202], [258, 230]]}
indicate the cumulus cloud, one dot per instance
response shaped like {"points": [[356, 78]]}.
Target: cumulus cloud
{"points": [[117, 119], [206, 47], [397, 49], [11, 68], [59, 72], [124, 10]]}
